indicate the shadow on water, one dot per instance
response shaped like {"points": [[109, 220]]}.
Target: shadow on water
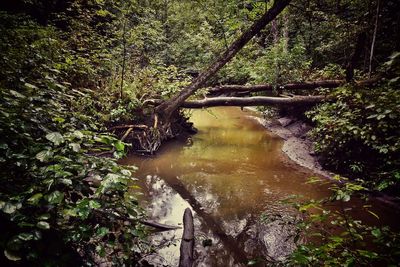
{"points": [[229, 174]]}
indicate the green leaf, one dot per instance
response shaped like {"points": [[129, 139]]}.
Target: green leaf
{"points": [[367, 254], [11, 256], [376, 232], [45, 216], [25, 236], [78, 134], [34, 200], [3, 146], [66, 181], [30, 86], [10, 208], [119, 146], [44, 155], [102, 231], [59, 119], [43, 225], [55, 197], [94, 204], [55, 137], [16, 94], [75, 147]]}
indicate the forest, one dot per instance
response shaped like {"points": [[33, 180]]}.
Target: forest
{"points": [[273, 125]]}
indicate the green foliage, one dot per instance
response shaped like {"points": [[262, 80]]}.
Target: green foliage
{"points": [[336, 238], [330, 71], [57, 197], [157, 82], [279, 64], [50, 183], [357, 133], [392, 66]]}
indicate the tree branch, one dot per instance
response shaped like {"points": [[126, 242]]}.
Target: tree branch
{"points": [[168, 107], [253, 101]]}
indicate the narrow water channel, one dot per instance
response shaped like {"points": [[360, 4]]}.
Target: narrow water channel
{"points": [[229, 174]]}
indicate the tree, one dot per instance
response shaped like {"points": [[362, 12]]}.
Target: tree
{"points": [[166, 109]]}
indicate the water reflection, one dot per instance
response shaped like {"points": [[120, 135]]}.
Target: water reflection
{"points": [[232, 171]]}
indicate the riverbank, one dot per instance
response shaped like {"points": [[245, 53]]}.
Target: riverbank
{"points": [[296, 146], [299, 149]]}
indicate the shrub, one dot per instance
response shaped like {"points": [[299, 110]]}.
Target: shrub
{"points": [[357, 134]]}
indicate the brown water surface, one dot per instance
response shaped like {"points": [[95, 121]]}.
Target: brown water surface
{"points": [[229, 173]]}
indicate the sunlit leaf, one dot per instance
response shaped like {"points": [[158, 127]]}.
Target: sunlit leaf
{"points": [[43, 225], [55, 137]]}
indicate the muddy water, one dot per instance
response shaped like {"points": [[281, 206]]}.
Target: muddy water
{"points": [[229, 174]]}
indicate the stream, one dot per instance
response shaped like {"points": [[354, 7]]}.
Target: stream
{"points": [[231, 174]]}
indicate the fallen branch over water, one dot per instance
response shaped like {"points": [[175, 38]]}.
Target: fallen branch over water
{"points": [[160, 226], [268, 87], [253, 101], [233, 88]]}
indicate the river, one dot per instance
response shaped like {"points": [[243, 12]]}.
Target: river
{"points": [[231, 174]]}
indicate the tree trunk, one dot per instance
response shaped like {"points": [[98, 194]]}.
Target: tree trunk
{"points": [[233, 88], [356, 55], [285, 33], [371, 55], [253, 101], [166, 109]]}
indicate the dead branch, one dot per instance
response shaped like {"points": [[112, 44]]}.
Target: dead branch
{"points": [[139, 126]]}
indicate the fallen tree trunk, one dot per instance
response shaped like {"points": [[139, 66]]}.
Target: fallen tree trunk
{"points": [[268, 87], [253, 101], [167, 108], [187, 244], [226, 89]]}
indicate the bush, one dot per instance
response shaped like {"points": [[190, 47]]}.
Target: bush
{"points": [[60, 205], [357, 134]]}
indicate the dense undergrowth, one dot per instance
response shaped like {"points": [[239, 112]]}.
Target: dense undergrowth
{"points": [[61, 204], [357, 134], [334, 235]]}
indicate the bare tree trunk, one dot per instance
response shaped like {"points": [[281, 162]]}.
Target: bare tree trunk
{"points": [[167, 32], [253, 101], [123, 57], [378, 6], [275, 40], [274, 30], [356, 54], [166, 109], [286, 33]]}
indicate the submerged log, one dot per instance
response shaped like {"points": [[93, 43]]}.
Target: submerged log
{"points": [[187, 244], [253, 101]]}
